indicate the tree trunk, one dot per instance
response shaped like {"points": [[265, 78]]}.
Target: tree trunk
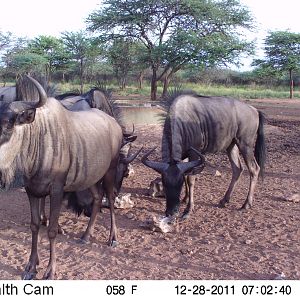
{"points": [[140, 79], [291, 85], [81, 76], [154, 84], [123, 83], [47, 69], [49, 78], [167, 80]]}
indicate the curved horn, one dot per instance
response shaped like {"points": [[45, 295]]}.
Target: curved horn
{"points": [[125, 134], [159, 167], [42, 93], [130, 158], [188, 166]]}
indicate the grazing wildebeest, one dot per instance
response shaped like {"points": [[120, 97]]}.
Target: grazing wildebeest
{"points": [[209, 125], [58, 152]]}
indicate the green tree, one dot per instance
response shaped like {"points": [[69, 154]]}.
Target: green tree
{"points": [[25, 62], [52, 49], [5, 39], [282, 54], [175, 32], [140, 62], [120, 55], [82, 49]]}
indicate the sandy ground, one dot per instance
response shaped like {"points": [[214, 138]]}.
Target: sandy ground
{"points": [[214, 243]]}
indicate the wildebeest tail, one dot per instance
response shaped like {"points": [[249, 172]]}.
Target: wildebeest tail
{"points": [[73, 203], [260, 145]]}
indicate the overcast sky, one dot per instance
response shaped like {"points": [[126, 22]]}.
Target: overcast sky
{"points": [[271, 15], [32, 18]]}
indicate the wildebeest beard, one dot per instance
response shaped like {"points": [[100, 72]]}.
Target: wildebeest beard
{"points": [[8, 165], [7, 175], [10, 159]]}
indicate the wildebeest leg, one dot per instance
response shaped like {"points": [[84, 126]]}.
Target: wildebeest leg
{"points": [[108, 184], [43, 215], [190, 180], [237, 169], [30, 269], [97, 194], [186, 188], [253, 168], [42, 212], [55, 206]]}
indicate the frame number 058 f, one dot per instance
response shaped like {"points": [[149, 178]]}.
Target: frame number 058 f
{"points": [[120, 289]]}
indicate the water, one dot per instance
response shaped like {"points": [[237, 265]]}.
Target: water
{"points": [[141, 115]]}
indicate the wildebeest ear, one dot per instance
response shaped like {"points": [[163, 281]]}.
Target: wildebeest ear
{"points": [[26, 116]]}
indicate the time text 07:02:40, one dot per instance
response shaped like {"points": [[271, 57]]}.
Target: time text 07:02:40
{"points": [[231, 290]]}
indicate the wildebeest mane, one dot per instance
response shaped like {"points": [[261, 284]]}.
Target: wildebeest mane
{"points": [[100, 98], [167, 121], [167, 101], [106, 103]]}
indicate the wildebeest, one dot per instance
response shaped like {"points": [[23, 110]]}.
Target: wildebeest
{"points": [[209, 125], [58, 152], [25, 90], [7, 93], [100, 99], [94, 98]]}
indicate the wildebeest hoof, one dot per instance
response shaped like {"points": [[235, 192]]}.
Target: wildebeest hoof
{"points": [[245, 206], [83, 241], [49, 275], [28, 275], [185, 215], [221, 204], [113, 244]]}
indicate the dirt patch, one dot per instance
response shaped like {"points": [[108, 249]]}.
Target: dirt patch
{"points": [[213, 244]]}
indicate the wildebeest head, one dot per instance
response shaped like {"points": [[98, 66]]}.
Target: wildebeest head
{"points": [[173, 177], [12, 115], [19, 113]]}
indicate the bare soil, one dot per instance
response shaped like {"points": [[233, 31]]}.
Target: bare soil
{"points": [[213, 243]]}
